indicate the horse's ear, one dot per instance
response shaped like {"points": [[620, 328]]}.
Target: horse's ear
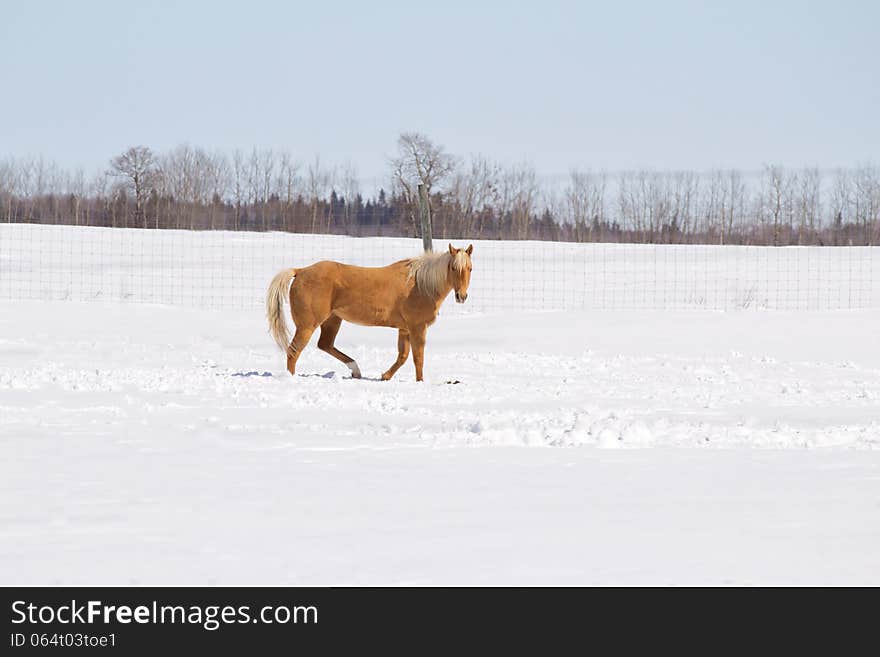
{"points": [[452, 249], [470, 249]]}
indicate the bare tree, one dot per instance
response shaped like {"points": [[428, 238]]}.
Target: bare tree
{"points": [[774, 198], [350, 188], [585, 203], [267, 175], [808, 203], [97, 190], [288, 184], [7, 186], [712, 202], [632, 201], [255, 182], [866, 194], [474, 192], [29, 187], [318, 180], [517, 195], [77, 189], [643, 202], [685, 195], [734, 202], [659, 204], [239, 186], [217, 173], [136, 167], [419, 161]]}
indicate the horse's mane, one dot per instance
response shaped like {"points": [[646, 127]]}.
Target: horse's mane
{"points": [[429, 270]]}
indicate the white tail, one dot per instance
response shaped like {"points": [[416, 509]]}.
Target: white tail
{"points": [[275, 306]]}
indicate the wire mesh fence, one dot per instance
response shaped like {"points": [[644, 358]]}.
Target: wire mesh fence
{"points": [[221, 269]]}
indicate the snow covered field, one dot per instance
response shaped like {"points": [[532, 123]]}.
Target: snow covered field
{"points": [[160, 444]]}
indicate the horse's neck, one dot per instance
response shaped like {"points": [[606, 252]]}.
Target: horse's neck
{"points": [[438, 301]]}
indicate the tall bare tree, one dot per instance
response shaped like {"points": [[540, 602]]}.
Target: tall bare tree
{"points": [[136, 167], [351, 193], [288, 184], [419, 161], [775, 197], [734, 202], [517, 198], [808, 204], [239, 186], [585, 203], [866, 193], [474, 192], [318, 181], [217, 173], [7, 187], [685, 195]]}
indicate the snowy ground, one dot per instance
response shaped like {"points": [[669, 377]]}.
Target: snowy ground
{"points": [[162, 445]]}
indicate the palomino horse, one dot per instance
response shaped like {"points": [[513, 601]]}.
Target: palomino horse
{"points": [[405, 295]]}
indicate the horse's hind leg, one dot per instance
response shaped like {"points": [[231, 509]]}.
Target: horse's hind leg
{"points": [[300, 340], [402, 354], [329, 329]]}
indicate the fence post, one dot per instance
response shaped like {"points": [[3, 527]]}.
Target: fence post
{"points": [[425, 217]]}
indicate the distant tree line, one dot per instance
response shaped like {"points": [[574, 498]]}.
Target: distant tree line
{"points": [[266, 190]]}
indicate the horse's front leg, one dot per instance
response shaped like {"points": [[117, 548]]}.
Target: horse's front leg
{"points": [[417, 337], [402, 354]]}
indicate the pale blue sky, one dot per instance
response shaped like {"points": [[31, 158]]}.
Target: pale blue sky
{"points": [[611, 85]]}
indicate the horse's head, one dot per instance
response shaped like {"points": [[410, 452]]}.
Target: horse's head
{"points": [[459, 273]]}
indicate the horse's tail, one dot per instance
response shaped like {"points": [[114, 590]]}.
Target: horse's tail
{"points": [[275, 306]]}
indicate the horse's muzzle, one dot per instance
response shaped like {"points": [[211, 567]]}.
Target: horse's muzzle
{"points": [[460, 298]]}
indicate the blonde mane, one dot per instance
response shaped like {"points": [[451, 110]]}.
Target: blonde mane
{"points": [[429, 270]]}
